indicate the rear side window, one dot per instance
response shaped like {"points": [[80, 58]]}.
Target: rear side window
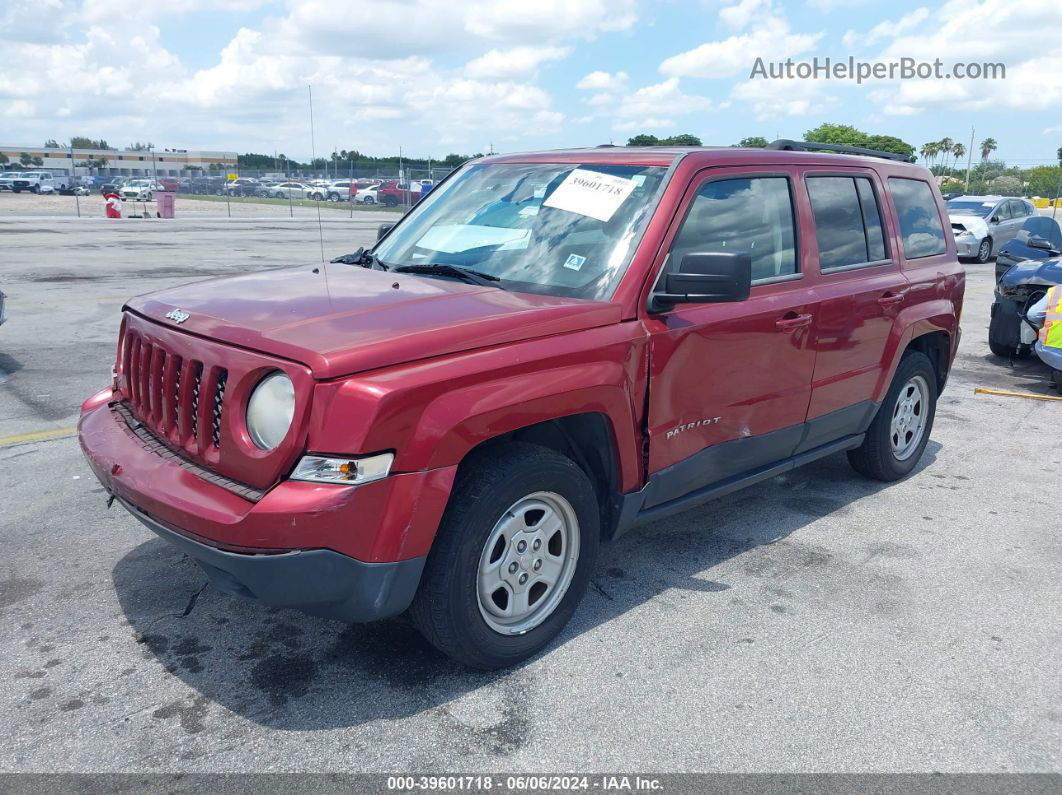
{"points": [[848, 224], [920, 227], [751, 215]]}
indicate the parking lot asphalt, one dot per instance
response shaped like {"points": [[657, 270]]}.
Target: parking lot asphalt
{"points": [[815, 622]]}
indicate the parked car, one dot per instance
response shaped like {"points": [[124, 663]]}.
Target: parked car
{"points": [[560, 346], [76, 186], [7, 179], [297, 190], [366, 195], [139, 190], [244, 186], [171, 184], [393, 193], [37, 182], [341, 191], [1039, 238], [982, 224], [1025, 283], [112, 185]]}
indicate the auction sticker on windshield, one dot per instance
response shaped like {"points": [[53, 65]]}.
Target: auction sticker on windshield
{"points": [[591, 193]]}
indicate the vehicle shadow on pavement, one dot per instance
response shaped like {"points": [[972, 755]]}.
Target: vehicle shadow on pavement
{"points": [[286, 670]]}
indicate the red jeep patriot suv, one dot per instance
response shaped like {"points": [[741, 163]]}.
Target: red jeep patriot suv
{"points": [[548, 350]]}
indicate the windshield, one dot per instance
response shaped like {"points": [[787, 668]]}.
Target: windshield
{"points": [[968, 207], [557, 229]]}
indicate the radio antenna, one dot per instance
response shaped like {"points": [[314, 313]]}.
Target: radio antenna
{"points": [[313, 161]]}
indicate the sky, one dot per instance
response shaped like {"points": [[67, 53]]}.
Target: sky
{"points": [[465, 76]]}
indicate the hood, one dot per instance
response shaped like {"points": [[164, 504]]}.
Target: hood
{"points": [[1034, 272], [346, 319], [970, 223]]}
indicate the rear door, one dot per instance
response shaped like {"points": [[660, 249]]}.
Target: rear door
{"points": [[730, 382], [861, 290]]}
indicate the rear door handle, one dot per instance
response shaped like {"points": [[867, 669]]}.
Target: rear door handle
{"points": [[891, 299], [792, 321]]}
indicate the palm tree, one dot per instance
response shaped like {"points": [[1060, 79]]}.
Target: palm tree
{"points": [[945, 149], [988, 146], [958, 150]]}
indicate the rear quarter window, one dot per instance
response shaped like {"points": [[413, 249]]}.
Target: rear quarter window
{"points": [[920, 226]]}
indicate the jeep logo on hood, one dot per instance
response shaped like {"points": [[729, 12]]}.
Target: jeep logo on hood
{"points": [[177, 316]]}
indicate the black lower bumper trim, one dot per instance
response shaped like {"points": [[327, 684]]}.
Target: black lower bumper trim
{"points": [[320, 582]]}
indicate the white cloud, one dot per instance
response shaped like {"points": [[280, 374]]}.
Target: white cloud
{"points": [[770, 99], [657, 106], [886, 29], [977, 32], [545, 20], [514, 61], [740, 15], [603, 81], [772, 41]]}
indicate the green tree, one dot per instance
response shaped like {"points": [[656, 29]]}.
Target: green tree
{"points": [[1005, 185], [890, 143], [1043, 180], [988, 146], [51, 143], [842, 134], [25, 158], [81, 142], [137, 146], [754, 142], [685, 139], [1058, 154], [4, 159], [643, 140], [37, 160]]}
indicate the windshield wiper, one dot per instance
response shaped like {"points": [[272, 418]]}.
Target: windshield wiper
{"points": [[365, 259], [467, 274]]}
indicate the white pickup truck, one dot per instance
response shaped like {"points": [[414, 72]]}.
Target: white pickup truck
{"points": [[38, 182]]}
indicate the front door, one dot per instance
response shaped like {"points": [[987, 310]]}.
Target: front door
{"points": [[730, 382]]}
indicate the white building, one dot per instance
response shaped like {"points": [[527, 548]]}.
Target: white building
{"points": [[123, 162]]}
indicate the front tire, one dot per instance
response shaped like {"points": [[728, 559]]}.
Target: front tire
{"points": [[512, 558], [984, 251], [898, 435]]}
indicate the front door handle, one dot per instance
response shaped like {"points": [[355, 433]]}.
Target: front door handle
{"points": [[891, 299], [792, 321]]}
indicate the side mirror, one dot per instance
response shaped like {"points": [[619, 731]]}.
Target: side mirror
{"points": [[382, 230], [994, 219], [716, 277], [1042, 244]]}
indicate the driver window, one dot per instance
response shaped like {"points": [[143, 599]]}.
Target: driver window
{"points": [[748, 214]]}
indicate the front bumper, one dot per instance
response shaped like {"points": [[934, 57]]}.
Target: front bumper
{"points": [[322, 548], [966, 246], [316, 581]]}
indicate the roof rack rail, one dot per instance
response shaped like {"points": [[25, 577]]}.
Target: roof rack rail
{"points": [[811, 146]]}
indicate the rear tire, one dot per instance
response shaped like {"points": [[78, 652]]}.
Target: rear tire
{"points": [[1003, 351], [499, 527], [898, 435]]}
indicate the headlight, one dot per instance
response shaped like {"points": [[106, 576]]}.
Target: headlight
{"points": [[270, 410], [351, 471]]}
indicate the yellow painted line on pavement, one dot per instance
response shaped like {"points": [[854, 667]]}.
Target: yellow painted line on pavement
{"points": [[1008, 393], [36, 436]]}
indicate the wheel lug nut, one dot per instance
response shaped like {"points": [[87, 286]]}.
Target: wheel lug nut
{"points": [[523, 578], [521, 547], [538, 564], [512, 567], [537, 544]]}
